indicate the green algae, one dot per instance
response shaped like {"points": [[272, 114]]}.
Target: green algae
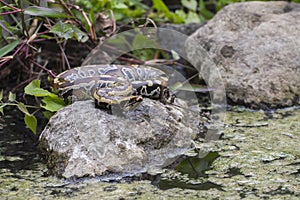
{"points": [[263, 160], [258, 157]]}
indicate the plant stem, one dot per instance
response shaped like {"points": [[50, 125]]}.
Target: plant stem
{"points": [[10, 12], [24, 28], [44, 68], [8, 5]]}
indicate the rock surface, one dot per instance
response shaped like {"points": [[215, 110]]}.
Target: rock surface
{"points": [[81, 140], [186, 29], [256, 47]]}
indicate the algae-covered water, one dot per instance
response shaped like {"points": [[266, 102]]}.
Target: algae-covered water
{"points": [[258, 157]]}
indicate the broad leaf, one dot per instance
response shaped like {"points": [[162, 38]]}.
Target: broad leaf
{"points": [[141, 42], [33, 88], [190, 4], [120, 42], [8, 48], [48, 114], [53, 103], [11, 97], [23, 108], [31, 122], [120, 5], [175, 55], [192, 17], [68, 31], [181, 14], [203, 11], [161, 6], [45, 12]]}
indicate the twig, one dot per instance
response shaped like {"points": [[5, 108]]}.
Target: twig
{"points": [[24, 28], [8, 5], [4, 28], [92, 29], [20, 61], [22, 83], [90, 24], [33, 28], [66, 7], [151, 21], [44, 68], [10, 12], [65, 58], [113, 22], [132, 60], [93, 36]]}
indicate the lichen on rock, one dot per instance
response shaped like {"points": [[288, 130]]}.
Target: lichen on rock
{"points": [[256, 48], [81, 140]]}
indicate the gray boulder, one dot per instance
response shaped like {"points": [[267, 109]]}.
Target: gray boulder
{"points": [[256, 46], [81, 140]]}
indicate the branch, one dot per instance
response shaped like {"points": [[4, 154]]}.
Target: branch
{"points": [[44, 68]]}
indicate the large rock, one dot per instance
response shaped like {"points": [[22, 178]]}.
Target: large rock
{"points": [[256, 46], [81, 140]]}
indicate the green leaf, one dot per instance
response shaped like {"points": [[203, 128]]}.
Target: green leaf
{"points": [[144, 54], [48, 37], [8, 48], [181, 14], [53, 103], [190, 4], [203, 11], [175, 55], [120, 5], [48, 114], [55, 6], [32, 85], [23, 108], [31, 122], [120, 41], [39, 92], [190, 87], [33, 88], [1, 110], [68, 31], [195, 166], [192, 17], [11, 97], [44, 12], [141, 41], [160, 6]]}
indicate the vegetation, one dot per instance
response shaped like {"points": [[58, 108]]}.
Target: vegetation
{"points": [[27, 25]]}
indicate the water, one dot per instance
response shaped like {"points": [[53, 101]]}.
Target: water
{"points": [[250, 161]]}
